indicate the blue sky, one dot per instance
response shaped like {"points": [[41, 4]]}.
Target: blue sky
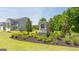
{"points": [[34, 13]]}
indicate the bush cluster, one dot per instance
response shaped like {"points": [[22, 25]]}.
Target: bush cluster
{"points": [[72, 40], [26, 35], [75, 40], [52, 38]]}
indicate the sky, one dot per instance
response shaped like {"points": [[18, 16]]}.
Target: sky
{"points": [[34, 13]]}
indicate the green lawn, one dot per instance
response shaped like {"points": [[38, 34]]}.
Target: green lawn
{"points": [[16, 45]]}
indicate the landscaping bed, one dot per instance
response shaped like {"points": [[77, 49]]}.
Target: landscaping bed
{"points": [[53, 39]]}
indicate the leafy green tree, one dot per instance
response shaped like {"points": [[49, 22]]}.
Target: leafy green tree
{"points": [[28, 25], [70, 16], [43, 19], [51, 25], [73, 14], [56, 23], [65, 29]]}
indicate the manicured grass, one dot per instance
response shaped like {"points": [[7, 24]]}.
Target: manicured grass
{"points": [[16, 45]]}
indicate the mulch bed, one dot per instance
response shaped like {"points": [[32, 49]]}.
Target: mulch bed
{"points": [[59, 43]]}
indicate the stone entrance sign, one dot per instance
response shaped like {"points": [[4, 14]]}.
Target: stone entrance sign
{"points": [[43, 28]]}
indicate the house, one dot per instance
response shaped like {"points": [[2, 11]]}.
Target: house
{"points": [[21, 23], [14, 24], [2, 26]]}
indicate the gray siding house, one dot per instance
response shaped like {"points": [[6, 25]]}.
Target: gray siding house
{"points": [[14, 24]]}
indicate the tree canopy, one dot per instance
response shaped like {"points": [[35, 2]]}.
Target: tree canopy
{"points": [[69, 19]]}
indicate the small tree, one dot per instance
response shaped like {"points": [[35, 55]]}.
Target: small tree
{"points": [[66, 26], [51, 29], [42, 19], [29, 25]]}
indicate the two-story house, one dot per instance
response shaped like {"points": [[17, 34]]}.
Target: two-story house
{"points": [[14, 24]]}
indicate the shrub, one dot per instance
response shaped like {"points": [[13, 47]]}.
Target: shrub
{"points": [[35, 35], [45, 39], [16, 34], [56, 34], [68, 40], [50, 38], [24, 33], [30, 35], [75, 40], [41, 38], [13, 35], [72, 39], [55, 41], [24, 37]]}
